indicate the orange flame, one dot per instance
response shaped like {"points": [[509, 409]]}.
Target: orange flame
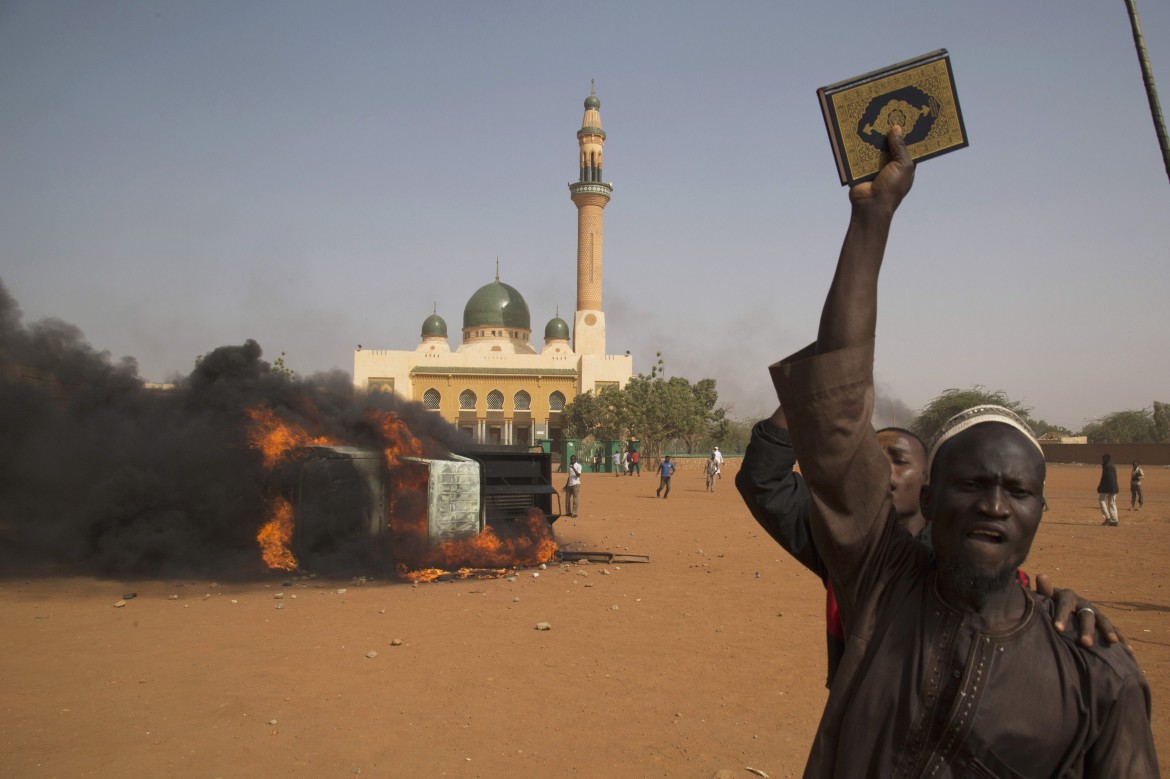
{"points": [[275, 535], [488, 555], [431, 574], [274, 437], [527, 541], [399, 441]]}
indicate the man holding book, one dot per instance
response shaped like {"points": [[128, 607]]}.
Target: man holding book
{"points": [[950, 667]]}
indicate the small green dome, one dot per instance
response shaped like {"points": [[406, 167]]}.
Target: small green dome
{"points": [[434, 326], [497, 305], [556, 328], [593, 101]]}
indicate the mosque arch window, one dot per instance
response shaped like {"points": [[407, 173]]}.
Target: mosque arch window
{"points": [[556, 402], [467, 400], [431, 399], [522, 401], [495, 400]]}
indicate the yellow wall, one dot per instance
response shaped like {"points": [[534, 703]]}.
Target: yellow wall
{"points": [[450, 386]]}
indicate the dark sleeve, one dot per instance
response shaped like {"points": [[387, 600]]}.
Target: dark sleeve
{"points": [[828, 399], [1125, 745], [776, 495]]}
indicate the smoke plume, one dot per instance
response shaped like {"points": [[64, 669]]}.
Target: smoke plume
{"points": [[890, 410], [101, 474]]}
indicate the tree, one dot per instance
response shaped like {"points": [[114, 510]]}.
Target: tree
{"points": [[654, 409], [1122, 427], [279, 367], [930, 420], [582, 415], [705, 419], [1041, 427], [733, 434], [658, 411], [599, 416], [1161, 417], [658, 368]]}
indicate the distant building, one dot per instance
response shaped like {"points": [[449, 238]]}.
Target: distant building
{"points": [[496, 386]]}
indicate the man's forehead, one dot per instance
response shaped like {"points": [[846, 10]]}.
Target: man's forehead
{"points": [[978, 417], [993, 445], [901, 441], [893, 438]]}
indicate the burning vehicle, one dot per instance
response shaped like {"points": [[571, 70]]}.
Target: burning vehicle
{"points": [[345, 490], [479, 511]]}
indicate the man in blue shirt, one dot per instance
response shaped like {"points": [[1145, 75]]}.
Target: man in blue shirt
{"points": [[665, 471]]}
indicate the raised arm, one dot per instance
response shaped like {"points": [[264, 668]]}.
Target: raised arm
{"points": [[827, 391], [775, 494], [849, 317]]}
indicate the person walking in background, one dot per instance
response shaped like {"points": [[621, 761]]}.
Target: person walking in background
{"points": [[718, 457], [626, 464], [1136, 499], [665, 471], [1107, 490], [711, 467], [573, 487], [617, 463], [635, 463]]}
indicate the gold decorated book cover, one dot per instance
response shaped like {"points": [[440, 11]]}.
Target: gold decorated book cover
{"points": [[918, 94]]}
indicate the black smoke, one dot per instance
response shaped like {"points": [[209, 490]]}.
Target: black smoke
{"points": [[890, 410], [101, 474]]}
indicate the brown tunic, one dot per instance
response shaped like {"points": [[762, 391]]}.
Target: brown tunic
{"points": [[925, 689]]}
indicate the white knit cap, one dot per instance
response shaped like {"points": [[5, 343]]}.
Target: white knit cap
{"points": [[978, 415]]}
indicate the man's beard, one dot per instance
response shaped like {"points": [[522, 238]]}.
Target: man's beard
{"points": [[973, 585]]}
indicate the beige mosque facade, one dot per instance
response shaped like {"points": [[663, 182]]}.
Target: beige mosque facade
{"points": [[496, 386]]}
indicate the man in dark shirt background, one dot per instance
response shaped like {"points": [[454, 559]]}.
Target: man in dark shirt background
{"points": [[1107, 490], [778, 499]]}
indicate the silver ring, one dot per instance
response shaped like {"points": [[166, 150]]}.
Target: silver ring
{"points": [[1085, 609]]}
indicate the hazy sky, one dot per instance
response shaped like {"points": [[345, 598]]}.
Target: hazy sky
{"points": [[175, 176]]}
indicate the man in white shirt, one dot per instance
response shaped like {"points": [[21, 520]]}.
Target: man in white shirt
{"points": [[573, 487]]}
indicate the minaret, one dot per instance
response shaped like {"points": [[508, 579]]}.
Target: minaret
{"points": [[590, 194]]}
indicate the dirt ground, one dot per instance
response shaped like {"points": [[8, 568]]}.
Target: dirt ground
{"points": [[709, 657]]}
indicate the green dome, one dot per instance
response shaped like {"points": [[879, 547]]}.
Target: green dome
{"points": [[497, 305], [593, 101], [556, 328], [434, 327]]}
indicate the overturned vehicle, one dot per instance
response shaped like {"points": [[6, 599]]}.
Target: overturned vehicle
{"points": [[351, 507]]}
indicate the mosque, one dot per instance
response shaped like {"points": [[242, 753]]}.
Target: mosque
{"points": [[496, 386]]}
